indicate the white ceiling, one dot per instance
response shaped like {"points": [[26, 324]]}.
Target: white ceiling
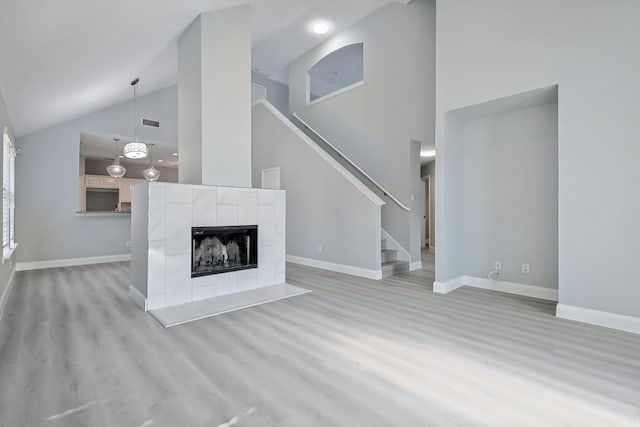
{"points": [[62, 59]]}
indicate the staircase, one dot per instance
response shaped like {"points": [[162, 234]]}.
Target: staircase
{"points": [[390, 260], [391, 265]]}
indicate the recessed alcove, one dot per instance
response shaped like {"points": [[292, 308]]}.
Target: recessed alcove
{"points": [[500, 162]]}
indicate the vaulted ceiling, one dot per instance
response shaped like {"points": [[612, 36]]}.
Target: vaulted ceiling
{"points": [[61, 59]]}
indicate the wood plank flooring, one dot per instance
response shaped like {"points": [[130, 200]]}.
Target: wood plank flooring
{"points": [[76, 351]]}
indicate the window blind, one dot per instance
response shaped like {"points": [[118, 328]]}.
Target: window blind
{"points": [[8, 189]]}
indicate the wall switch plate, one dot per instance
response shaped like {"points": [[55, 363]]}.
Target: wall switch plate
{"points": [[319, 249], [128, 243], [498, 265], [525, 268]]}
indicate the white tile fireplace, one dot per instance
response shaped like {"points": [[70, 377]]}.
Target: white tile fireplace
{"points": [[162, 219]]}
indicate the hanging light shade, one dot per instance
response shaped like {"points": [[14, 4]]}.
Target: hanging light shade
{"points": [[136, 150], [115, 169], [151, 174]]}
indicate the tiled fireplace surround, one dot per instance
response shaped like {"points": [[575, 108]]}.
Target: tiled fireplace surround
{"points": [[162, 217]]}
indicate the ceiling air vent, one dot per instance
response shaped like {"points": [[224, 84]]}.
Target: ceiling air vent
{"points": [[150, 123]]}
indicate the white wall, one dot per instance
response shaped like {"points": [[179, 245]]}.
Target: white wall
{"points": [[226, 97], [214, 74], [47, 171], [374, 124], [590, 49], [510, 195]]}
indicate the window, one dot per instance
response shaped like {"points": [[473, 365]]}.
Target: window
{"points": [[339, 71], [8, 191]]}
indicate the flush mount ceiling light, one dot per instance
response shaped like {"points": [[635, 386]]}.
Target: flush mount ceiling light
{"points": [[115, 169], [320, 27], [135, 149], [428, 153]]}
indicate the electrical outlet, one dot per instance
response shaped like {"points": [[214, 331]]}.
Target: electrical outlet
{"points": [[525, 268], [128, 243], [498, 265], [319, 249]]}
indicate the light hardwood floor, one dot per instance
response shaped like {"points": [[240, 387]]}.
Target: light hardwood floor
{"points": [[76, 351]]}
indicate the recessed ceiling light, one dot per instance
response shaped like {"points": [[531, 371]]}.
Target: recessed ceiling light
{"points": [[174, 154], [428, 153], [160, 161], [320, 27]]}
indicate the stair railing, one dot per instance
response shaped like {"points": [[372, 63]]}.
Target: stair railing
{"points": [[348, 160]]}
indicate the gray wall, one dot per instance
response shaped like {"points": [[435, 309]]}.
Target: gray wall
{"points": [[510, 189], [7, 267], [99, 167], [589, 48], [277, 93], [190, 103], [47, 171], [323, 208], [373, 124]]}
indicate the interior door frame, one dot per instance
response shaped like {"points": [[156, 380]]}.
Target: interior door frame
{"points": [[427, 183]]}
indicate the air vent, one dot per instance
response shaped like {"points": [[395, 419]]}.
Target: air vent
{"points": [[150, 123]]}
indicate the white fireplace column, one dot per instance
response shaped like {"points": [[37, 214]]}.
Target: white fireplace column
{"points": [[214, 99]]}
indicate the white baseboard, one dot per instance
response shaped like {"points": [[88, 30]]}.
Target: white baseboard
{"points": [[415, 266], [138, 298], [5, 294], [338, 268], [448, 286], [37, 265], [512, 288], [600, 318], [500, 286]]}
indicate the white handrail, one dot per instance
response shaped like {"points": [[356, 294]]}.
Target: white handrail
{"points": [[341, 154]]}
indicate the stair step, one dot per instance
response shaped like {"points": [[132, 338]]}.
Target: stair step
{"points": [[394, 267], [389, 255]]}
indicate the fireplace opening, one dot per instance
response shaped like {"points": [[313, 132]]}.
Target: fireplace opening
{"points": [[217, 250]]}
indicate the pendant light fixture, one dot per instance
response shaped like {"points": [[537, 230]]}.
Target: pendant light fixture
{"points": [[151, 174], [115, 169], [135, 149]]}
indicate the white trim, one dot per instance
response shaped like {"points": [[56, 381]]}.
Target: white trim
{"points": [[338, 268], [512, 288], [600, 318], [5, 294], [138, 298], [403, 254], [277, 168], [326, 156], [415, 266], [54, 263], [448, 286], [332, 94], [500, 286]]}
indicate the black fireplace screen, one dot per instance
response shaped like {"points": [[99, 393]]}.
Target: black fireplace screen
{"points": [[222, 249]]}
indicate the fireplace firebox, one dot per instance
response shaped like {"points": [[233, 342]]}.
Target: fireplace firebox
{"points": [[216, 250]]}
